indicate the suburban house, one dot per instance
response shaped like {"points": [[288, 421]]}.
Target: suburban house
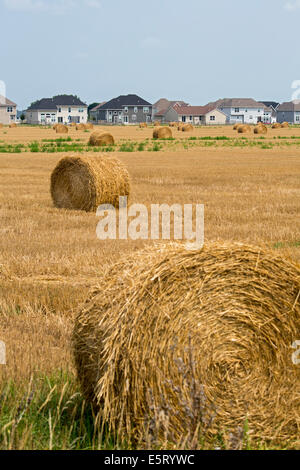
{"points": [[203, 115], [8, 111], [163, 110], [125, 109], [63, 109], [289, 112], [272, 105], [243, 110]]}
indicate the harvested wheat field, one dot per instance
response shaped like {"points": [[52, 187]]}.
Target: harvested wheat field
{"points": [[51, 260]]}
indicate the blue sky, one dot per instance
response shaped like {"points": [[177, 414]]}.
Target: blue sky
{"points": [[193, 50]]}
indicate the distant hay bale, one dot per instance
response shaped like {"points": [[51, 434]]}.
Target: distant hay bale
{"points": [[73, 124], [12, 125], [61, 129], [260, 129], [235, 127], [242, 129], [285, 124], [84, 183], [157, 123], [276, 125], [80, 127], [187, 128], [89, 125], [143, 124], [167, 326], [1, 125], [98, 139], [54, 127], [162, 133]]}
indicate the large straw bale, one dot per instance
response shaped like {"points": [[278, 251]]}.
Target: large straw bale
{"points": [[84, 183], [187, 128], [166, 328]]}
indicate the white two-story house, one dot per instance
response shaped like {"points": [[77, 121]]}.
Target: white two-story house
{"points": [[63, 109], [243, 110]]}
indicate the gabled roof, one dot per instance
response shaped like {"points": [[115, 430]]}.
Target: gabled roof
{"points": [[171, 104], [98, 106], [60, 100], [196, 110], [237, 103], [289, 106], [271, 104], [164, 105], [125, 100], [6, 102]]}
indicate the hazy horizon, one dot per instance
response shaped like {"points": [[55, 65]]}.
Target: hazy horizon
{"points": [[197, 52]]}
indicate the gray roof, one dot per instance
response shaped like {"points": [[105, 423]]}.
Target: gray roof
{"points": [[125, 100], [238, 103], [6, 102], [53, 103], [290, 106]]}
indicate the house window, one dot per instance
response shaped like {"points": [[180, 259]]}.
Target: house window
{"points": [[250, 117], [191, 118], [297, 118], [134, 117], [60, 119], [212, 118], [259, 111], [9, 109], [237, 110], [126, 109], [70, 110], [115, 113], [109, 113], [59, 110], [145, 110], [12, 117], [135, 110]]}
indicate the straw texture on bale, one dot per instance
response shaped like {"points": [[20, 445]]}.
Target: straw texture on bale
{"points": [[89, 125], [84, 183], [99, 139], [80, 127], [61, 129], [233, 308], [13, 125], [162, 133], [276, 125], [243, 129], [260, 129], [187, 128], [235, 127], [285, 124], [1, 125], [157, 123], [143, 124]]}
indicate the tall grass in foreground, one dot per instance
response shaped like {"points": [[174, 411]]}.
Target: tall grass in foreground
{"points": [[49, 413]]}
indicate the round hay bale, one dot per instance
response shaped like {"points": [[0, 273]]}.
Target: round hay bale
{"points": [[167, 326], [143, 124], [80, 127], [12, 125], [84, 183], [235, 127], [61, 129], [188, 128], [89, 125], [276, 125], [157, 123], [260, 129], [162, 133], [98, 139], [73, 124], [1, 125], [242, 129], [54, 126], [285, 124]]}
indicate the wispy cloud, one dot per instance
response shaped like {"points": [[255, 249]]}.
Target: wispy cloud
{"points": [[49, 6], [291, 6]]}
